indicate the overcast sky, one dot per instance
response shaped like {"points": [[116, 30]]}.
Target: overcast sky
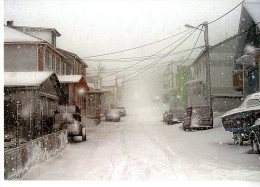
{"points": [[95, 27]]}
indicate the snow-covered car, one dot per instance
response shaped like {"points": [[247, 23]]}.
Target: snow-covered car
{"points": [[112, 115], [255, 137], [121, 110], [165, 116], [240, 120], [198, 118], [76, 131]]}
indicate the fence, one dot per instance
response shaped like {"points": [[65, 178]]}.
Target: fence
{"points": [[20, 159]]}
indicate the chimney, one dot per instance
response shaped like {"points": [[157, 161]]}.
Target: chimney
{"points": [[10, 23]]}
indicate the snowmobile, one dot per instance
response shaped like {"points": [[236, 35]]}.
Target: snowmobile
{"points": [[240, 120]]}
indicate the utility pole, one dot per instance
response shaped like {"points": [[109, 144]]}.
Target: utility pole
{"points": [[208, 80]]}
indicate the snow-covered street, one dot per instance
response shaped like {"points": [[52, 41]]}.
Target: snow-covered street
{"points": [[141, 147]]}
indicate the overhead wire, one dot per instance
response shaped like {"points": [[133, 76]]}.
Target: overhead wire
{"points": [[147, 57], [227, 40], [144, 45], [131, 59], [226, 13], [151, 65]]}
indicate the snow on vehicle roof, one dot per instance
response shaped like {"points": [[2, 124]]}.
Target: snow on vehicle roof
{"points": [[243, 106], [253, 9], [13, 35], [17, 79], [69, 78]]}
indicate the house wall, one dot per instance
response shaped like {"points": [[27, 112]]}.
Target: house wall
{"points": [[223, 104], [26, 110], [20, 57], [221, 76], [53, 61], [44, 35]]}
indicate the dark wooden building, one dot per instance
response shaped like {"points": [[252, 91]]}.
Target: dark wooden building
{"points": [[30, 102]]}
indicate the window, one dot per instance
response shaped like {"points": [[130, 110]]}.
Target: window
{"points": [[64, 68], [252, 103], [58, 66], [47, 62], [61, 67], [53, 62], [50, 60], [68, 69]]}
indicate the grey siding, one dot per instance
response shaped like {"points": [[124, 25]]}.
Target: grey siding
{"points": [[20, 57]]}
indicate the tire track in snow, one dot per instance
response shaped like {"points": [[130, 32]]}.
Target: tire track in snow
{"points": [[177, 168]]}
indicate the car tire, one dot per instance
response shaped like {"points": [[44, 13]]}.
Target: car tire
{"points": [[84, 134], [238, 139], [256, 146]]}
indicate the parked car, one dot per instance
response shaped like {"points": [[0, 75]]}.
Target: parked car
{"points": [[255, 137], [175, 115], [165, 116], [112, 115], [198, 118], [240, 120], [121, 110], [71, 119]]}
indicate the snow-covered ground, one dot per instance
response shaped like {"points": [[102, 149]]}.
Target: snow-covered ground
{"points": [[141, 147]]}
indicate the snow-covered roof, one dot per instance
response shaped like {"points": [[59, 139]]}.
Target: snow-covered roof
{"points": [[17, 79], [13, 35], [24, 28], [91, 85], [69, 78], [253, 9]]}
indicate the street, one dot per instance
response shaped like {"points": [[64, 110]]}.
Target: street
{"points": [[141, 147]]}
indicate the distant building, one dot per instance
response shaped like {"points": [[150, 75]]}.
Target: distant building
{"points": [[247, 57], [93, 100], [182, 77], [169, 85]]}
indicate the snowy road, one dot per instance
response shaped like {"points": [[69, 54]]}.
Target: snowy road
{"points": [[141, 147]]}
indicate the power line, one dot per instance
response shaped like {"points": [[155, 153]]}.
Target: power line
{"points": [[192, 48], [129, 59], [227, 40], [150, 65], [226, 13], [144, 45], [148, 56]]}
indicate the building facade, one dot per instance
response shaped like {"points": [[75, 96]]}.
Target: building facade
{"points": [[247, 57]]}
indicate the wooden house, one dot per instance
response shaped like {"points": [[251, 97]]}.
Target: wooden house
{"points": [[30, 102], [75, 88]]}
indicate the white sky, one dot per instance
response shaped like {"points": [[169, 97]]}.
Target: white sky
{"points": [[92, 27]]}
